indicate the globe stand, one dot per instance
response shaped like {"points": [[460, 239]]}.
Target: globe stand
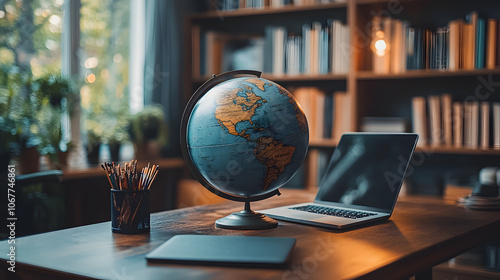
{"points": [[246, 219]]}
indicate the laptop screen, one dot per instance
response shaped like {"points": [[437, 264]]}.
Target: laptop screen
{"points": [[367, 169]]}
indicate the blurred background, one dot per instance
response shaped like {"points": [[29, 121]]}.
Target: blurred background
{"points": [[83, 82]]}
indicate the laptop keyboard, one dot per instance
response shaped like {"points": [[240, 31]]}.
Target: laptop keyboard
{"points": [[333, 211]]}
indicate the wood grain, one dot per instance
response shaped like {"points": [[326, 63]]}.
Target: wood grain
{"points": [[421, 233]]}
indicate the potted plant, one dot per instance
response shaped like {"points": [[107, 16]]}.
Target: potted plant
{"points": [[7, 125], [57, 91], [94, 140], [19, 132], [117, 136], [148, 132]]}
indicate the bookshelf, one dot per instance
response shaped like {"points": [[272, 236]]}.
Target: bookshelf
{"points": [[370, 90]]}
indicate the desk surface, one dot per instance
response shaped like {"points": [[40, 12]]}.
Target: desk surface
{"points": [[421, 233]]}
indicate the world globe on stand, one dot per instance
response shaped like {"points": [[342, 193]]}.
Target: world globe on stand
{"points": [[243, 138]]}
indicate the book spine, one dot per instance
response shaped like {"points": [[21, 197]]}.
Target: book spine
{"points": [[480, 43], [447, 119], [491, 43], [419, 120], [496, 126], [458, 120], [485, 125]]}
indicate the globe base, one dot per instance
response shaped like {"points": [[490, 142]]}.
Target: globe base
{"points": [[246, 219]]}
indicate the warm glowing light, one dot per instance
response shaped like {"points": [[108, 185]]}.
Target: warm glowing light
{"points": [[380, 45], [380, 34], [91, 62], [90, 78], [55, 20]]}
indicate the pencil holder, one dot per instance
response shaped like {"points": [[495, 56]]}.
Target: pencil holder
{"points": [[130, 211]]}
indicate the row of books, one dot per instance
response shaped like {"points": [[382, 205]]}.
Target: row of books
{"points": [[469, 124], [320, 49], [229, 5], [473, 43], [327, 113]]}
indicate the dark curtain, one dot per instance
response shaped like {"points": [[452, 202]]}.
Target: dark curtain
{"points": [[163, 63]]}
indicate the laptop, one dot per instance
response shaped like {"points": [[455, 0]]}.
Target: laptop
{"points": [[360, 185]]}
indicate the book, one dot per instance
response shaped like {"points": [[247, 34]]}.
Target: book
{"points": [[467, 125], [435, 120], [447, 119], [268, 50], [454, 46], [342, 114], [319, 99], [468, 46], [328, 121], [472, 20], [304, 98], [496, 126], [491, 39], [397, 47], [497, 47], [419, 120], [315, 46], [279, 37], [458, 120], [474, 142], [485, 125], [480, 43], [441, 52]]}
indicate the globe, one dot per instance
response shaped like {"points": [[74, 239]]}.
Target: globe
{"points": [[245, 136]]}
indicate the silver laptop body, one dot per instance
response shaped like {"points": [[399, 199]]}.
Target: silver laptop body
{"points": [[362, 180]]}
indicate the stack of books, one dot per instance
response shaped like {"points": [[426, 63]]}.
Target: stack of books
{"points": [[468, 124], [470, 43]]}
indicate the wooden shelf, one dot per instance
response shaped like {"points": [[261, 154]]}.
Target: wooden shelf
{"points": [[462, 151], [432, 73], [245, 12], [369, 94]]}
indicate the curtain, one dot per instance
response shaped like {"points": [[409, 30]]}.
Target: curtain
{"points": [[162, 68]]}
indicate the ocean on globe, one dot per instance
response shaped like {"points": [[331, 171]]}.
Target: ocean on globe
{"points": [[247, 136]]}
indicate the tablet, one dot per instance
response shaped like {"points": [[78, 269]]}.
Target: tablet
{"points": [[247, 251]]}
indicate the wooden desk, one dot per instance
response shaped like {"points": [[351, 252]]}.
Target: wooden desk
{"points": [[421, 233]]}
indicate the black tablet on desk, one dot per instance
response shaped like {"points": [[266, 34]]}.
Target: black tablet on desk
{"points": [[248, 251]]}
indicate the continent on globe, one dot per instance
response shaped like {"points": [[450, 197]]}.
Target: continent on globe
{"points": [[275, 156], [247, 136], [257, 82], [236, 106]]}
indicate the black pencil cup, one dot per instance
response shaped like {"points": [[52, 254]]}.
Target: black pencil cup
{"points": [[130, 211]]}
